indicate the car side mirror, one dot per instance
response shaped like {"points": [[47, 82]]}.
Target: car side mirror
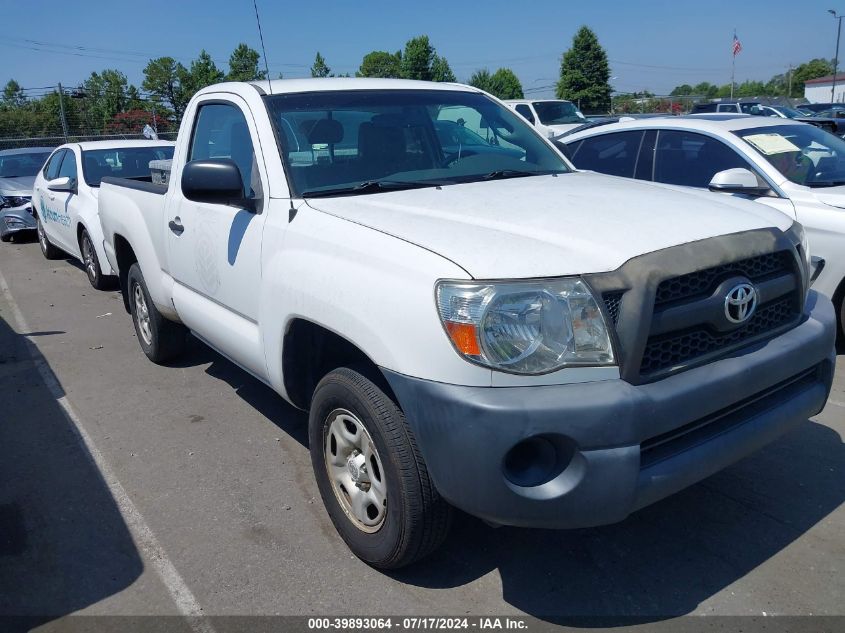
{"points": [[737, 180], [65, 183], [216, 181]]}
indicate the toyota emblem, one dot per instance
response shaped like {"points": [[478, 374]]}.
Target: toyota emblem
{"points": [[740, 303]]}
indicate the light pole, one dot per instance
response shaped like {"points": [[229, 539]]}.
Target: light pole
{"points": [[836, 56]]}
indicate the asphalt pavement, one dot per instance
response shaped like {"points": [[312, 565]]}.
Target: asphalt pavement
{"points": [[128, 488]]}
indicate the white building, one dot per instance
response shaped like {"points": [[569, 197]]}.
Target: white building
{"points": [[818, 90]]}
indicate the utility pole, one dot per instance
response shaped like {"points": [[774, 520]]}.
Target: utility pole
{"points": [[836, 56], [789, 74], [62, 111]]}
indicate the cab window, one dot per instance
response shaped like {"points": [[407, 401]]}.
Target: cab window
{"points": [[525, 111], [613, 154], [221, 131]]}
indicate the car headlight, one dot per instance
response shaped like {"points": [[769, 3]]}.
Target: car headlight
{"points": [[525, 327], [14, 223], [3, 202], [14, 201]]}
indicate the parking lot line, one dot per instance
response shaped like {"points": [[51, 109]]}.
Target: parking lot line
{"points": [[145, 539]]}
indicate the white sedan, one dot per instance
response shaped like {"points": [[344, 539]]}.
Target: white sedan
{"points": [[65, 205], [796, 168]]}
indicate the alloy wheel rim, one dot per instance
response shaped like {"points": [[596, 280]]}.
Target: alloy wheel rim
{"points": [[355, 470], [42, 237], [142, 314], [88, 256]]}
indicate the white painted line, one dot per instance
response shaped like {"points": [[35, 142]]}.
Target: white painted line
{"points": [[145, 540]]}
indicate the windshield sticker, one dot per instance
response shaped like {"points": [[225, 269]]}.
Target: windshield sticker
{"points": [[772, 143]]}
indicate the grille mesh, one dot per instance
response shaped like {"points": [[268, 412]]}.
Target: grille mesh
{"points": [[700, 282], [613, 302], [673, 350]]}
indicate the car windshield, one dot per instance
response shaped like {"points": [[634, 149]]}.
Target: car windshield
{"points": [[122, 162], [348, 142], [558, 112], [805, 154], [789, 113], [19, 165]]}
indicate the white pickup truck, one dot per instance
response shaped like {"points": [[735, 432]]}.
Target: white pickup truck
{"points": [[489, 330]]}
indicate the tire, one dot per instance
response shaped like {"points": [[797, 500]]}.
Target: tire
{"points": [[160, 339], [413, 519], [96, 278], [47, 249], [6, 238]]}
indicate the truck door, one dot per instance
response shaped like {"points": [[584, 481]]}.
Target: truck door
{"points": [[215, 249]]}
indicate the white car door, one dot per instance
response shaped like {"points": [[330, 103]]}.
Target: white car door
{"points": [[54, 206], [215, 249]]}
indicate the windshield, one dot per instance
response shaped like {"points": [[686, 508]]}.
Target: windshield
{"points": [[122, 162], [804, 154], [557, 112], [366, 141], [18, 165], [789, 113]]}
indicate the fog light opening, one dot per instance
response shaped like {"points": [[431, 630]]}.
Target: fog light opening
{"points": [[537, 460]]}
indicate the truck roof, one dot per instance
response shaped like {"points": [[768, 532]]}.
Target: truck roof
{"points": [[282, 86], [118, 144]]}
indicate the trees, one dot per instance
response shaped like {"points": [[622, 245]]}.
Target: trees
{"points": [[320, 68], [503, 83], [682, 90], [163, 79], [203, 72], [243, 65], [13, 95], [381, 64], [440, 69], [585, 73], [104, 96], [812, 69], [417, 59]]}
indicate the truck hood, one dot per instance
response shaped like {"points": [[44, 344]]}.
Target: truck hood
{"points": [[17, 186], [548, 226], [831, 196]]}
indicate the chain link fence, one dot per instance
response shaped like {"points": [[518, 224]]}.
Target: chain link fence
{"points": [[16, 142]]}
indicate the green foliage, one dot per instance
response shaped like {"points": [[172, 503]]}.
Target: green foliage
{"points": [[163, 79], [480, 79], [243, 65], [381, 64], [417, 59], [585, 73], [13, 95], [203, 72], [104, 95], [503, 83], [320, 68], [683, 89], [812, 69], [440, 70]]}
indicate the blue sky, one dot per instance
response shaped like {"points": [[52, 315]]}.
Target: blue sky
{"points": [[651, 44]]}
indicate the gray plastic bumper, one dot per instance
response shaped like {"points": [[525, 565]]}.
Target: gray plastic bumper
{"points": [[625, 446]]}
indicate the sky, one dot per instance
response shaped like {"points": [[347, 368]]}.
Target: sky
{"points": [[651, 44]]}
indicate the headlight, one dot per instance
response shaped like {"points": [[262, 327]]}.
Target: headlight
{"points": [[14, 223], [531, 327], [14, 201], [2, 202]]}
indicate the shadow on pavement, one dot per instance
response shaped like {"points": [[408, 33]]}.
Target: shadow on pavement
{"points": [[63, 542]]}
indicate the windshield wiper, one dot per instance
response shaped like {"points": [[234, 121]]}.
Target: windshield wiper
{"points": [[826, 183], [372, 186], [501, 174]]}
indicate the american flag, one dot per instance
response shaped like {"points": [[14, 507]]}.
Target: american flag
{"points": [[737, 46]]}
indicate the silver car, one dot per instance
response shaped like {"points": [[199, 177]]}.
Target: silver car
{"points": [[18, 168]]}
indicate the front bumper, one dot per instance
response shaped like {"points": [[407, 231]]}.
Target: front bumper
{"points": [[617, 447], [23, 214]]}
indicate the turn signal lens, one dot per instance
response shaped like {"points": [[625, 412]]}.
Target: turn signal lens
{"points": [[465, 337]]}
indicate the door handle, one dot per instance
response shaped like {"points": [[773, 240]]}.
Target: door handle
{"points": [[175, 225], [52, 196]]}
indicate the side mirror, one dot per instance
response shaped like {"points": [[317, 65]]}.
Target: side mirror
{"points": [[737, 180], [65, 183], [216, 181]]}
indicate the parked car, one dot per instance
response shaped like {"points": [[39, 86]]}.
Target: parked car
{"points": [[17, 175], [458, 140], [821, 107], [795, 168], [67, 217], [738, 107], [393, 288], [551, 117]]}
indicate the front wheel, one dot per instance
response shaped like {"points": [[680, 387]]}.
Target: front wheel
{"points": [[96, 278], [160, 339], [47, 249], [371, 475]]}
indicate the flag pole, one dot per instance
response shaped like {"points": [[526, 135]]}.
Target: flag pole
{"points": [[733, 64]]}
